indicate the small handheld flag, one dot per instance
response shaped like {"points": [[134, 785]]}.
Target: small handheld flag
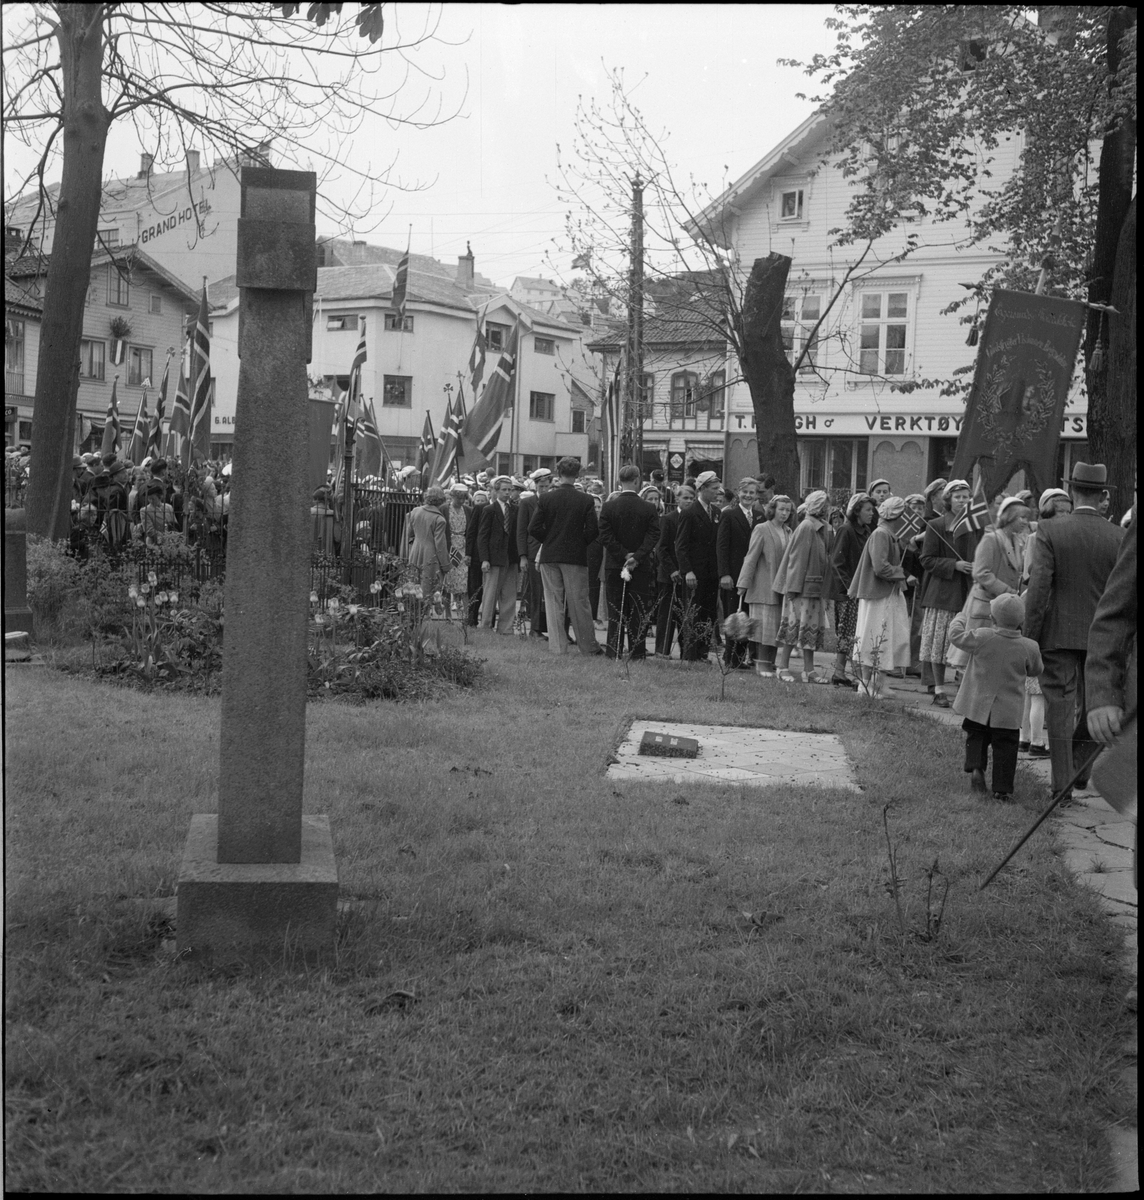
{"points": [[975, 515]]}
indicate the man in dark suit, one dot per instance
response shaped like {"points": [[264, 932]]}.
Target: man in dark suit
{"points": [[1073, 556], [629, 530], [564, 524], [476, 579], [530, 572], [1110, 668], [697, 556], [496, 547], [670, 581], [731, 543]]}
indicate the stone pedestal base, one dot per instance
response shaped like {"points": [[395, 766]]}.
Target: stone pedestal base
{"points": [[264, 912]]}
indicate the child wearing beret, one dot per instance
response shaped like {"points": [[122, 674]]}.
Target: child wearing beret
{"points": [[991, 698]]}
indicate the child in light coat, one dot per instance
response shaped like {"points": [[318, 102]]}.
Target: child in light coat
{"points": [[991, 698]]}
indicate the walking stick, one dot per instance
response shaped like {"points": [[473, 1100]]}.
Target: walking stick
{"points": [[671, 621], [1081, 770]]}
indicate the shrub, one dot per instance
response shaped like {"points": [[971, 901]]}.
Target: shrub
{"points": [[53, 579]]}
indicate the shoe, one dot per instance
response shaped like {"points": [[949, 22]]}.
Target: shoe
{"points": [[914, 672], [977, 780], [811, 677], [941, 700], [784, 676], [1022, 747], [839, 680], [1039, 752], [1004, 797], [764, 673]]}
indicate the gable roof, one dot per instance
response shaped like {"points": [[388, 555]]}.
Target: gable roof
{"points": [[342, 252], [19, 297], [34, 266], [711, 222]]}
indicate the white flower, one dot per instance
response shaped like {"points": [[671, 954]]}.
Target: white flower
{"points": [[173, 597], [319, 619], [152, 578], [313, 597], [140, 603], [334, 604], [352, 609], [160, 597], [133, 593], [375, 587], [400, 606], [437, 597], [144, 588]]}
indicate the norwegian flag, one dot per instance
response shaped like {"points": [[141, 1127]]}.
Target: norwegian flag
{"points": [[912, 525], [975, 515]]}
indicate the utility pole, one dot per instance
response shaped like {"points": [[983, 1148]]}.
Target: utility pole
{"points": [[631, 449]]}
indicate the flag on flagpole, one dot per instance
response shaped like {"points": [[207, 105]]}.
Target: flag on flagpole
{"points": [[612, 425], [350, 408], [137, 447], [111, 425], [975, 515], [180, 423], [483, 426], [401, 283], [478, 352], [911, 526], [200, 434], [446, 462], [428, 441], [155, 433], [370, 456]]}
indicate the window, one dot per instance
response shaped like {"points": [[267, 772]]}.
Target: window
{"points": [[339, 321], [14, 356], [91, 359], [391, 323], [118, 289], [397, 391], [800, 315], [838, 464], [156, 304], [647, 397], [504, 465], [973, 53], [138, 365], [544, 345], [882, 335], [712, 399], [494, 336], [684, 388], [790, 205], [109, 237], [541, 406], [579, 425]]}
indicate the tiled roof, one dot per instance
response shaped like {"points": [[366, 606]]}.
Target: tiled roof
{"points": [[668, 330], [36, 265], [19, 295]]}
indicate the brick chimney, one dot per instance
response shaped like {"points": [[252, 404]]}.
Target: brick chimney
{"points": [[146, 162], [357, 253], [465, 271], [192, 162]]}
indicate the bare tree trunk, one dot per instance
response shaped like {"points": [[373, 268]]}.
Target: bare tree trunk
{"points": [[1111, 406], [1116, 422], [768, 371], [85, 125]]}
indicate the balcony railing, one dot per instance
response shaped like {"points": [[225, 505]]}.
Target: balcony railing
{"points": [[13, 383]]}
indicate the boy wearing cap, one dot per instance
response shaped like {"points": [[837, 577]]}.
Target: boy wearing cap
{"points": [[991, 698]]}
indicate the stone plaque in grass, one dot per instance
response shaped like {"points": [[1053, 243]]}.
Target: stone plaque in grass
{"points": [[667, 745]]}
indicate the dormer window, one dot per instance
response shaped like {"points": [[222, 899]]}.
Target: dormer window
{"points": [[790, 205]]}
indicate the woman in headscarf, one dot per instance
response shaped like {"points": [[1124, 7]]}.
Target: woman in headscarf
{"points": [[428, 534], [456, 581], [802, 580], [769, 540], [882, 635], [848, 546], [879, 490], [948, 562]]}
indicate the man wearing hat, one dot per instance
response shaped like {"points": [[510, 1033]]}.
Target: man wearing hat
{"points": [[530, 572], [496, 550], [629, 530], [1072, 559], [696, 551], [732, 539]]}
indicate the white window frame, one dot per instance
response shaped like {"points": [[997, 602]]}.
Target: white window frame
{"points": [[911, 285], [341, 322], [858, 463], [390, 324], [797, 327], [155, 304], [88, 359], [136, 354], [545, 400], [385, 385], [544, 345], [885, 324], [798, 215]]}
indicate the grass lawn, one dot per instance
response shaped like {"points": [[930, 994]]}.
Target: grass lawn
{"points": [[545, 980]]}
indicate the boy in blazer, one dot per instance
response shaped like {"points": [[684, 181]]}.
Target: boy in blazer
{"points": [[991, 698]]}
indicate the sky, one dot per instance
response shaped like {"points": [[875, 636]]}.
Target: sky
{"points": [[707, 75]]}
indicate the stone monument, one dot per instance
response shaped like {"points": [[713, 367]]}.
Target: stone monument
{"points": [[259, 880]]}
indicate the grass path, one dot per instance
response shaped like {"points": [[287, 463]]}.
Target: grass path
{"points": [[688, 988]]}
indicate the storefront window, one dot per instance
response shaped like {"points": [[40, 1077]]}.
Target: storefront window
{"points": [[836, 465]]}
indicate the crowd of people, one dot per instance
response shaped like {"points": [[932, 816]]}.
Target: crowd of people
{"points": [[907, 586]]}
